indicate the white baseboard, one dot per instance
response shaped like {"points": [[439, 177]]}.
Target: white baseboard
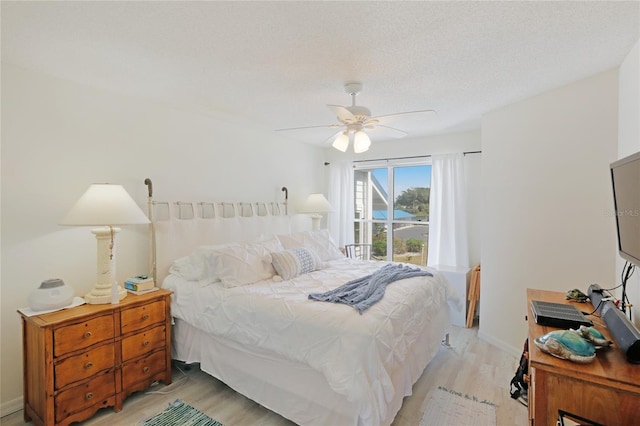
{"points": [[11, 407], [516, 352]]}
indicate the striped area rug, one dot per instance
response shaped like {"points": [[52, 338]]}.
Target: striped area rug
{"points": [[179, 413], [447, 407]]}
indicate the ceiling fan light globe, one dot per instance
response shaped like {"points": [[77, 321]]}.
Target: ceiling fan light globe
{"points": [[361, 142], [341, 143]]}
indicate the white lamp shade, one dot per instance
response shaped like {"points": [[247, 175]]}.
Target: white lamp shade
{"points": [[361, 142], [342, 142], [316, 203], [105, 204]]}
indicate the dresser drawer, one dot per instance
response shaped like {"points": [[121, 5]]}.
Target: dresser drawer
{"points": [[141, 343], [142, 316], [92, 393], [82, 335], [142, 369], [85, 365]]}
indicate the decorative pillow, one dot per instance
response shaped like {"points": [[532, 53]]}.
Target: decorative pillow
{"points": [[291, 263], [319, 241], [246, 263]]}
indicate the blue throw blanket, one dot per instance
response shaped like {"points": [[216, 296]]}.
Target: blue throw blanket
{"points": [[364, 292]]}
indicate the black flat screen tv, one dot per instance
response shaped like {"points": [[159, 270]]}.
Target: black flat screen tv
{"points": [[625, 177]]}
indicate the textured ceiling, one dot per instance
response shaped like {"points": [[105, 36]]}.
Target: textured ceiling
{"points": [[279, 63]]}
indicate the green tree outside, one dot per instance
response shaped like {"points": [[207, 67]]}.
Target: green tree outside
{"points": [[414, 201]]}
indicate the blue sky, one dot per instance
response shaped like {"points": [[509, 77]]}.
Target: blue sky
{"points": [[406, 177]]}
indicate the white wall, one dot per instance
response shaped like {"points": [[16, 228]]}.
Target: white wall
{"points": [[546, 188], [440, 144], [59, 137], [629, 143]]}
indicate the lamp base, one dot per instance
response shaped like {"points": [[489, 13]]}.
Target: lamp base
{"points": [[315, 221], [101, 293], [100, 296]]}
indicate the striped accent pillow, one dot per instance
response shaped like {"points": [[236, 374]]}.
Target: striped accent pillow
{"points": [[291, 263]]}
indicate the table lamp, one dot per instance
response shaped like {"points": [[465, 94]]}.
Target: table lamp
{"points": [[316, 204], [105, 205]]}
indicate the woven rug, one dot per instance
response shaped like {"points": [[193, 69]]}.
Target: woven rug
{"points": [[179, 413], [447, 407]]}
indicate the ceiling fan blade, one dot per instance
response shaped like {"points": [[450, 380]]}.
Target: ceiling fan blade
{"points": [[383, 131], [424, 113], [343, 114], [327, 126]]}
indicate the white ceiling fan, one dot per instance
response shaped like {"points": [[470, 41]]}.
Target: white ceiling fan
{"points": [[356, 121]]}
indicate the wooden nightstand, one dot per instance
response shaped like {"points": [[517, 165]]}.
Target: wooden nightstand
{"points": [[79, 360]]}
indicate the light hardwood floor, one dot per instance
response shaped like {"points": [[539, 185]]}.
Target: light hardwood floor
{"points": [[469, 365]]}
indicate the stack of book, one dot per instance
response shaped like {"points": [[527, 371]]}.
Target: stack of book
{"points": [[140, 284]]}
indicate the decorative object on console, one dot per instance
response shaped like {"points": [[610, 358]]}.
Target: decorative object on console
{"points": [[316, 204], [105, 205], [566, 344], [591, 334], [52, 294]]}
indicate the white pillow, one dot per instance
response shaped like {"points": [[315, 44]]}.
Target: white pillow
{"points": [[190, 267], [319, 241], [246, 263], [266, 246], [291, 263], [199, 265]]}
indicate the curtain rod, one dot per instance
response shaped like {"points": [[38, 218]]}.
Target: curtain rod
{"points": [[412, 157]]}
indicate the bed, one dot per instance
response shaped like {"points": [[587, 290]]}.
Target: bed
{"points": [[315, 363]]}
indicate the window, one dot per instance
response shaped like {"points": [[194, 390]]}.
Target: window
{"points": [[392, 210]]}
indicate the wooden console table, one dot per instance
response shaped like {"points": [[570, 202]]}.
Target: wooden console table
{"points": [[605, 391]]}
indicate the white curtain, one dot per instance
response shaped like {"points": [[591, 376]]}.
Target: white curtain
{"points": [[340, 220], [448, 243]]}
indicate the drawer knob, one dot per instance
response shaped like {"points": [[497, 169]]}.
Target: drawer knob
{"points": [[88, 396], [145, 317], [145, 370], [145, 343], [88, 365], [87, 334]]}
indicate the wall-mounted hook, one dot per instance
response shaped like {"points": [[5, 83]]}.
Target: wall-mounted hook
{"points": [[149, 184], [286, 200]]}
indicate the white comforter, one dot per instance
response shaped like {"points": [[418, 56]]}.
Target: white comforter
{"points": [[355, 353]]}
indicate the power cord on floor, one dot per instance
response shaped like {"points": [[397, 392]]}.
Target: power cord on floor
{"points": [[174, 385]]}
